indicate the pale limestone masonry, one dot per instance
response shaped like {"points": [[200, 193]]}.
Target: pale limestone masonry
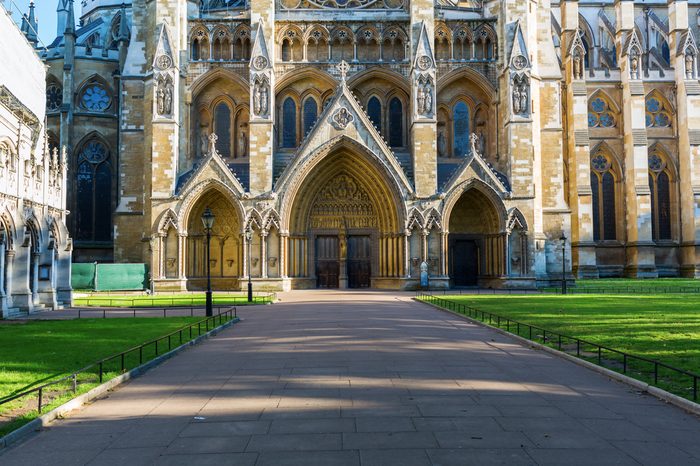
{"points": [[35, 248], [358, 140]]}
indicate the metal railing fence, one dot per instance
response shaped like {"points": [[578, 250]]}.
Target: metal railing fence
{"points": [[158, 301], [649, 370]]}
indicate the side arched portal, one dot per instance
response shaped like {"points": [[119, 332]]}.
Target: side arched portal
{"points": [[226, 258], [344, 225], [477, 241]]}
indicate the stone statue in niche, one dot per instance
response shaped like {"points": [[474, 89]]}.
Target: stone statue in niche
{"points": [[428, 93], [516, 98], [420, 100], [634, 65], [164, 97], [342, 245], [578, 65], [203, 141], [168, 99], [482, 142], [523, 96], [260, 98], [441, 144], [242, 142], [689, 64]]}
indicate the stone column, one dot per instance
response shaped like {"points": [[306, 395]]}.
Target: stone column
{"points": [[684, 61], [9, 272], [578, 147], [263, 253], [284, 238], [640, 247], [407, 253], [246, 272]]}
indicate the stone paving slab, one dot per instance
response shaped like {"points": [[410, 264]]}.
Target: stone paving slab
{"points": [[366, 378]]}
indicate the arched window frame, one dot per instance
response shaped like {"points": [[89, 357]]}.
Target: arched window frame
{"points": [[199, 40], [393, 45], [81, 159], [368, 45], [241, 43], [306, 126], [603, 168], [95, 81], [221, 44], [342, 44], [233, 109], [443, 43], [388, 117], [54, 94], [317, 39], [295, 125], [602, 113], [453, 121], [462, 44], [658, 111], [379, 123], [291, 45], [660, 167]]}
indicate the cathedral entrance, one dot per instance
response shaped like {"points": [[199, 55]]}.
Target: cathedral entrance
{"points": [[344, 226]]}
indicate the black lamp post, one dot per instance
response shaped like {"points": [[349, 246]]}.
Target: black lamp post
{"points": [[249, 237], [208, 221], [563, 263]]}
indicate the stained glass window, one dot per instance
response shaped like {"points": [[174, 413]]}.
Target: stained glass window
{"points": [[310, 114], [222, 128], [374, 111], [657, 114], [460, 131], [93, 218], [289, 123], [660, 187], [599, 114], [54, 97], [603, 197], [95, 98], [395, 123]]}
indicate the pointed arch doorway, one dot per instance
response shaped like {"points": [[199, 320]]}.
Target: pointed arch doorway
{"points": [[344, 225]]}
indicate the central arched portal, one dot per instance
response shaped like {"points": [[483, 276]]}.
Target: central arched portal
{"points": [[344, 226]]}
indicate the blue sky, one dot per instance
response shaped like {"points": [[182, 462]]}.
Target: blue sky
{"points": [[45, 11]]}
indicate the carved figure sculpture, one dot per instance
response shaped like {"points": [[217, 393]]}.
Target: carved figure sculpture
{"points": [[634, 65], [420, 101], [428, 93], [257, 96], [160, 100], [689, 64], [263, 99], [167, 99], [242, 143], [516, 98], [203, 141], [441, 144], [474, 142], [578, 66]]}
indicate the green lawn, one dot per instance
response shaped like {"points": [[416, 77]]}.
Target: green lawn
{"points": [[161, 300], [662, 327], [35, 352]]}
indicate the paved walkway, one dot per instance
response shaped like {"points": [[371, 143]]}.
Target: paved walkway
{"points": [[366, 379]]}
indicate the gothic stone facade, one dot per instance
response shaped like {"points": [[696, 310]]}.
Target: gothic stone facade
{"points": [[358, 139], [35, 249]]}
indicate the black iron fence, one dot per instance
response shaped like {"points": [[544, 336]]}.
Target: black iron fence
{"points": [[673, 379], [120, 362], [115, 312], [159, 301]]}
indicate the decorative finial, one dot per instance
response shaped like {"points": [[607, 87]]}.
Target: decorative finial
{"points": [[343, 68]]}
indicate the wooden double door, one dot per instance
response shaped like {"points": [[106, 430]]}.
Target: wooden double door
{"points": [[358, 261]]}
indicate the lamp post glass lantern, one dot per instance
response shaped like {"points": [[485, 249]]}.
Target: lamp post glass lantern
{"points": [[208, 222], [249, 237], [563, 263]]}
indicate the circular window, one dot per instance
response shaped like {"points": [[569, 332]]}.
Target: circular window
{"points": [[94, 152], [54, 97], [95, 98]]}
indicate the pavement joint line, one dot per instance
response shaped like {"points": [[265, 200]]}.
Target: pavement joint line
{"points": [[663, 395], [79, 402]]}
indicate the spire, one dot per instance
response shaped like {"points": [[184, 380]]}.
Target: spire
{"points": [[70, 18], [29, 25], [123, 25], [61, 17]]}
